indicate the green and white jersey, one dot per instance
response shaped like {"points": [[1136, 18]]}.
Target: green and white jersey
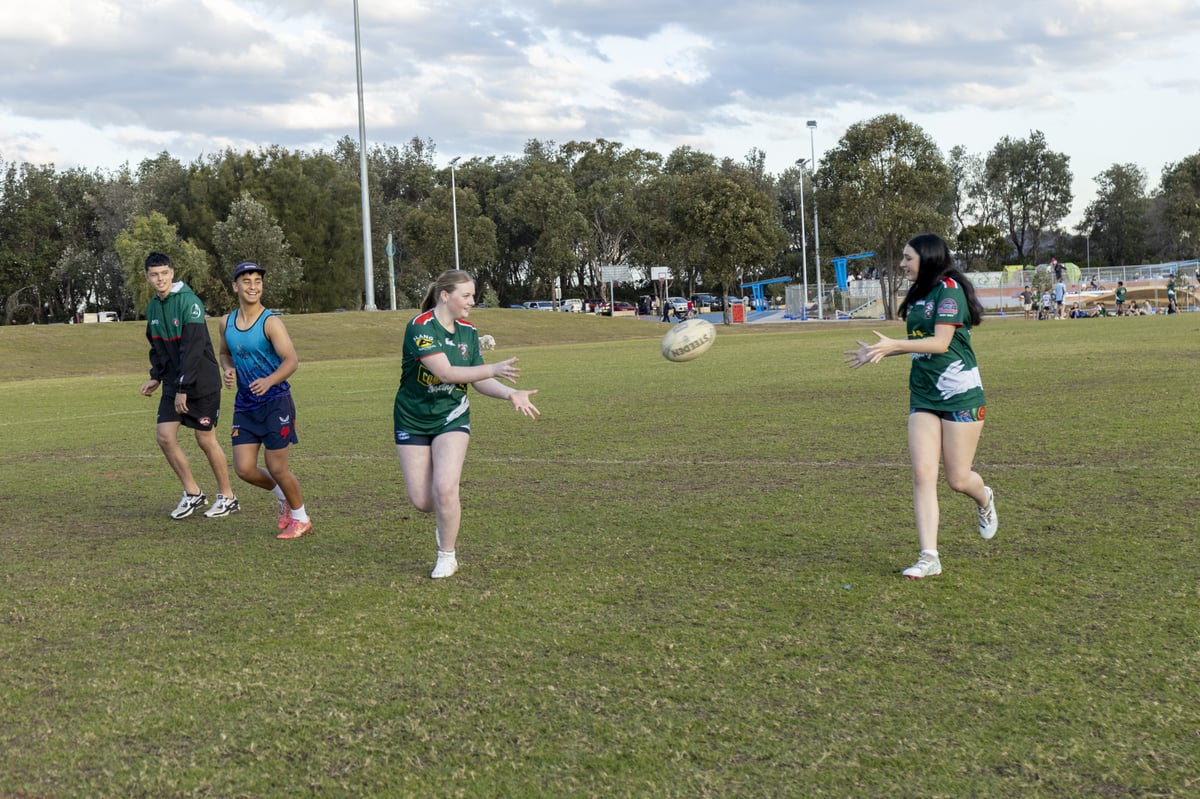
{"points": [[425, 405], [1120, 294], [949, 381]]}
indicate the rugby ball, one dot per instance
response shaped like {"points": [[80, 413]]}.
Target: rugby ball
{"points": [[688, 340]]}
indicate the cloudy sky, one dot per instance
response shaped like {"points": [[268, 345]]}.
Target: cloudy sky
{"points": [[100, 83]]}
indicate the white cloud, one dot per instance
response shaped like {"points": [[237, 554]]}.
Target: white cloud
{"points": [[101, 82]]}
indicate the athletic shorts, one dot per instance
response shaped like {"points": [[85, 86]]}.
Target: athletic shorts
{"points": [[272, 424], [965, 415], [407, 439], [202, 411]]}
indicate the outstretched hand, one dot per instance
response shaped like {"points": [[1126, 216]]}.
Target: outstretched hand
{"points": [[506, 370], [870, 353], [520, 401]]}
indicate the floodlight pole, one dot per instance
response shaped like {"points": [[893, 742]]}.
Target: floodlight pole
{"points": [[803, 241], [812, 126], [454, 208], [368, 271]]}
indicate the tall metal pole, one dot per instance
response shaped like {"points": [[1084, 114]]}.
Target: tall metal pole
{"points": [[803, 240], [454, 209], [368, 272], [812, 126]]}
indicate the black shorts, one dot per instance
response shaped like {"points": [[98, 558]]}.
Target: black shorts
{"points": [[272, 424], [202, 411]]}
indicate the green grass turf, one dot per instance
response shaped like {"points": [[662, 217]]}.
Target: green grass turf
{"points": [[681, 581]]}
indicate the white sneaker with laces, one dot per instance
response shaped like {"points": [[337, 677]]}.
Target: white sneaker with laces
{"points": [[927, 565], [447, 564], [189, 505], [988, 521], [223, 506]]}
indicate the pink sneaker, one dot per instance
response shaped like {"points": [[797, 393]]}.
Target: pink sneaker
{"points": [[295, 529]]}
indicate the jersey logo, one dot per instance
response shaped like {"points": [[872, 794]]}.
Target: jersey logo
{"points": [[928, 310], [195, 312], [948, 306], [423, 341]]}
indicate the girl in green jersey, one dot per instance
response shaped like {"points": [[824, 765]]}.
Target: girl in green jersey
{"points": [[945, 391], [441, 358]]}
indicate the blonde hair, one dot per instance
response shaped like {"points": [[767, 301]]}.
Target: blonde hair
{"points": [[446, 281]]}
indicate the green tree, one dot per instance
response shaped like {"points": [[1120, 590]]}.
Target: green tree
{"points": [[884, 182], [31, 241], [1117, 221], [251, 234], [539, 222], [729, 224], [607, 178], [153, 233], [1179, 195], [1031, 185]]}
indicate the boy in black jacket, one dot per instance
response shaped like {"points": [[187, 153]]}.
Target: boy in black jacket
{"points": [[183, 363]]}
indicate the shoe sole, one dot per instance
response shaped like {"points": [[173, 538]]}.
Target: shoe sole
{"points": [[225, 512]]}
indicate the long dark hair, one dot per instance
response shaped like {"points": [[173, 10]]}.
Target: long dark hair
{"points": [[935, 263]]}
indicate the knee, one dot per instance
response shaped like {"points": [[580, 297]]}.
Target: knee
{"points": [[246, 473], [445, 496], [959, 482]]}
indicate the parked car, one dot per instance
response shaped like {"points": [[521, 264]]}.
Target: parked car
{"points": [[594, 305], [620, 306], [680, 304], [711, 301], [571, 306], [539, 305]]}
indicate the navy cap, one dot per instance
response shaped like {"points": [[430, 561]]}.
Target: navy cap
{"points": [[247, 266]]}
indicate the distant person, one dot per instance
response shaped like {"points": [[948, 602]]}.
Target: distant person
{"points": [[1172, 306], [183, 363], [1060, 299], [258, 357], [1058, 268], [1047, 306], [1027, 301], [946, 402], [441, 359], [1120, 298]]}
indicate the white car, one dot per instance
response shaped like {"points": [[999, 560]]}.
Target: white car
{"points": [[680, 304], [539, 305], [571, 306]]}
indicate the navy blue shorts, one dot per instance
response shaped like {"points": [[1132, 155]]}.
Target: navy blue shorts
{"points": [[964, 415], [407, 439], [202, 411], [272, 424]]}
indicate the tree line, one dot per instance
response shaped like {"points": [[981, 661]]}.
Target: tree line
{"points": [[557, 215]]}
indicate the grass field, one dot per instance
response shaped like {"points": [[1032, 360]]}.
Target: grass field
{"points": [[681, 581]]}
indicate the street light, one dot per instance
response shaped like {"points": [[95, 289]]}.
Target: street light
{"points": [[368, 271], [812, 126], [800, 162], [454, 208]]}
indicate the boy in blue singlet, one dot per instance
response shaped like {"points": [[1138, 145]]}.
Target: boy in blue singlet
{"points": [[257, 357]]}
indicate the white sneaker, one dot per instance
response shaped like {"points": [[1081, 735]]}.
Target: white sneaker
{"points": [[988, 521], [189, 505], [223, 507], [447, 564], [928, 565]]}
